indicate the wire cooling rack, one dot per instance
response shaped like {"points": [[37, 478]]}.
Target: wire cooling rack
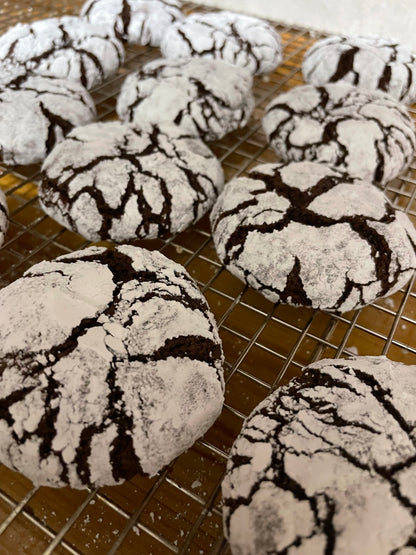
{"points": [[179, 510]]}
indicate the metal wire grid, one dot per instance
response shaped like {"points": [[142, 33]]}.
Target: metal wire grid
{"points": [[179, 510]]}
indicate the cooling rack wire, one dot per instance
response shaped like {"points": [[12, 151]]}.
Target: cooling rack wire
{"points": [[179, 510]]}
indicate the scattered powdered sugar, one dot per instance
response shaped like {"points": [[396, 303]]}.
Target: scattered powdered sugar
{"points": [[389, 302]]}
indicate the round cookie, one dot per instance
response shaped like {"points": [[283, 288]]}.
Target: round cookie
{"points": [[4, 216], [368, 62], [67, 47], [135, 21], [36, 113], [112, 181], [207, 98], [235, 38], [364, 133], [304, 234], [113, 368], [327, 464]]}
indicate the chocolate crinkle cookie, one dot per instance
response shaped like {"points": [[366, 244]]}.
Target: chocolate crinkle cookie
{"points": [[235, 38], [110, 365], [368, 62], [365, 133], [112, 181], [208, 98], [136, 21], [67, 47], [304, 234], [4, 216], [327, 463], [36, 113]]}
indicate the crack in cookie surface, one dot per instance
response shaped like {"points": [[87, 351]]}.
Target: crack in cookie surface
{"points": [[4, 216]]}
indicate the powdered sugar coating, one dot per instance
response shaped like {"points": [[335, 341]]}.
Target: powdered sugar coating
{"points": [[326, 464], [364, 133], [135, 21], [67, 47], [304, 234], [235, 38], [207, 98], [36, 113], [4, 216], [114, 367], [368, 62], [112, 181]]}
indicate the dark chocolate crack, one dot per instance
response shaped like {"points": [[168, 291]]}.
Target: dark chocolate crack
{"points": [[345, 65], [55, 121], [3, 209], [125, 17]]}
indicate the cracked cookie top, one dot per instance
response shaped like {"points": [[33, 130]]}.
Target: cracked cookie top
{"points": [[327, 464], [113, 368], [365, 133], [4, 216], [368, 62], [304, 234], [235, 38], [36, 113], [135, 21], [67, 47], [208, 98], [112, 181]]}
